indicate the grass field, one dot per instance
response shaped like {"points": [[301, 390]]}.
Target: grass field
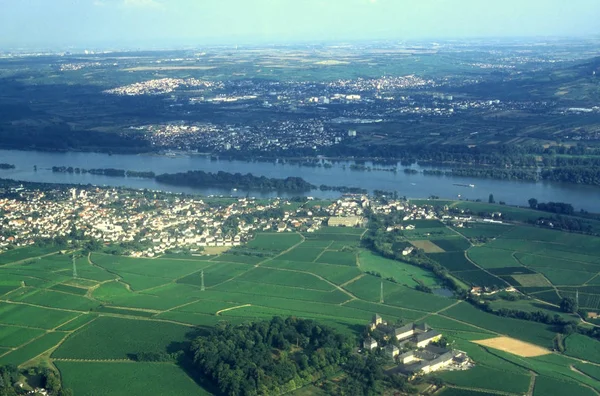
{"points": [[126, 379]]}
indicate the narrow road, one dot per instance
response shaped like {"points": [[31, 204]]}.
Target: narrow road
{"points": [[218, 313]]}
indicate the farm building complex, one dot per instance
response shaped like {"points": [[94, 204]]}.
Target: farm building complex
{"points": [[414, 346]]}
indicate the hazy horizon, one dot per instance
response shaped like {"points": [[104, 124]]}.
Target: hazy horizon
{"points": [[167, 23]]}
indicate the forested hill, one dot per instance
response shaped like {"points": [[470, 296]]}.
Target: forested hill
{"points": [[278, 356]]}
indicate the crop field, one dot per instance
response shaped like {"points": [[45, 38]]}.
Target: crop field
{"points": [[551, 386], [126, 379], [241, 259], [160, 268], [78, 322], [277, 242], [339, 258], [69, 289], [284, 278], [482, 230], [482, 377], [488, 258], [115, 338], [514, 346], [532, 280], [337, 274], [508, 271], [532, 332], [456, 244], [427, 246], [403, 273], [6, 289], [453, 261], [120, 306], [479, 278], [25, 253], [53, 299], [295, 293], [589, 369], [530, 260], [301, 254], [12, 336], [583, 347], [216, 274], [565, 277], [429, 233], [548, 296], [32, 349], [30, 316]]}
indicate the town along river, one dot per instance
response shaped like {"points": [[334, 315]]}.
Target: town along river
{"points": [[409, 185]]}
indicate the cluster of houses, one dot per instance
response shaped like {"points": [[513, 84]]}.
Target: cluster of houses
{"points": [[156, 223], [413, 347]]}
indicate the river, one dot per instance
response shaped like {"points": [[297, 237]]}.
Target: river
{"points": [[410, 185]]}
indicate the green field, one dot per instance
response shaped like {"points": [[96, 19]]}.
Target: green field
{"points": [[583, 347], [550, 386], [535, 333], [126, 379], [403, 273], [12, 336], [25, 253], [33, 349], [120, 306], [337, 257], [114, 338], [277, 242], [482, 377], [488, 258]]}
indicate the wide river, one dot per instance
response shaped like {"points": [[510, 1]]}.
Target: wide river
{"points": [[412, 186]]}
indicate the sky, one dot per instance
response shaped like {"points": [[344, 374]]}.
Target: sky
{"points": [[156, 23]]}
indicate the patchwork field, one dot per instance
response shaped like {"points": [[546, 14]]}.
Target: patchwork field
{"points": [[91, 327]]}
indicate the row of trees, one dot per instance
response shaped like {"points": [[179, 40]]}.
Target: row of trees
{"points": [[104, 172], [234, 180], [560, 208]]}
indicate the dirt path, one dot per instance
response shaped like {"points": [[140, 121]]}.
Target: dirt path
{"points": [[218, 313], [323, 251], [532, 383], [486, 391], [353, 280], [352, 296], [263, 261]]}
